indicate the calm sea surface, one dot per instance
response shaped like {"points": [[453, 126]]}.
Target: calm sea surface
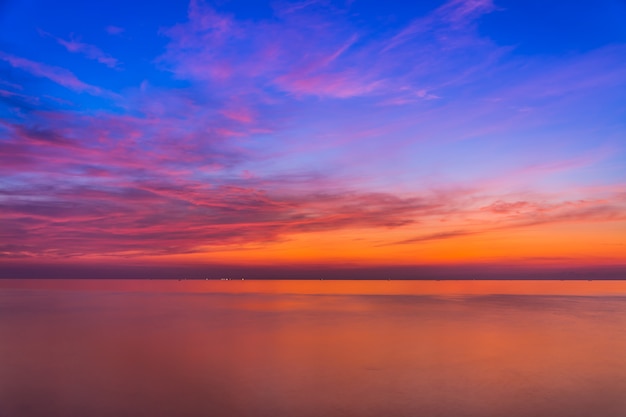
{"points": [[312, 348]]}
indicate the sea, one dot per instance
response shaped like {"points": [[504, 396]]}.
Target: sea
{"points": [[191, 348]]}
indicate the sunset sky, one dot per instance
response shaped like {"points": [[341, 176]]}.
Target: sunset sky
{"points": [[295, 133]]}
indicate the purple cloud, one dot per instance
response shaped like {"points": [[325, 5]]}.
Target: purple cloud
{"points": [[58, 75], [114, 30], [90, 51], [217, 48]]}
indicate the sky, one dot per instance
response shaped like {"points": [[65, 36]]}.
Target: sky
{"points": [[347, 133]]}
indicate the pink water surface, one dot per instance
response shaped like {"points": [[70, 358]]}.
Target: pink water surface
{"points": [[312, 348]]}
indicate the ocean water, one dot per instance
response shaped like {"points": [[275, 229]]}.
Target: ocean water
{"points": [[312, 348]]}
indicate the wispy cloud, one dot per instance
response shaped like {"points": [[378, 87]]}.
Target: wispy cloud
{"points": [[527, 213], [89, 51], [338, 61], [522, 214], [454, 16], [162, 217], [436, 236], [114, 30], [58, 75]]}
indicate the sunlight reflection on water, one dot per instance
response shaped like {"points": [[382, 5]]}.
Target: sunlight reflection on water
{"points": [[269, 348]]}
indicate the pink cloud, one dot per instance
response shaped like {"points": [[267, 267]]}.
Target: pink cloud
{"points": [[511, 216], [211, 46], [526, 214], [128, 192], [146, 197], [240, 114], [500, 207], [157, 217], [11, 85], [462, 12], [58, 75], [436, 236], [455, 15], [294, 6], [6, 93], [90, 51], [326, 85], [114, 30], [248, 57]]}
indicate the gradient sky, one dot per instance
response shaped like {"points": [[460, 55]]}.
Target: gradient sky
{"points": [[348, 132]]}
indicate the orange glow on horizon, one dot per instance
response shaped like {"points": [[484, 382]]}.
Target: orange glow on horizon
{"points": [[562, 244]]}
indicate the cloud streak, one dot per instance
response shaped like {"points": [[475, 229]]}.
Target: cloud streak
{"points": [[58, 75], [217, 48], [89, 51]]}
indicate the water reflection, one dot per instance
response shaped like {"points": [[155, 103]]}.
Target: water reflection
{"points": [[267, 348]]}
